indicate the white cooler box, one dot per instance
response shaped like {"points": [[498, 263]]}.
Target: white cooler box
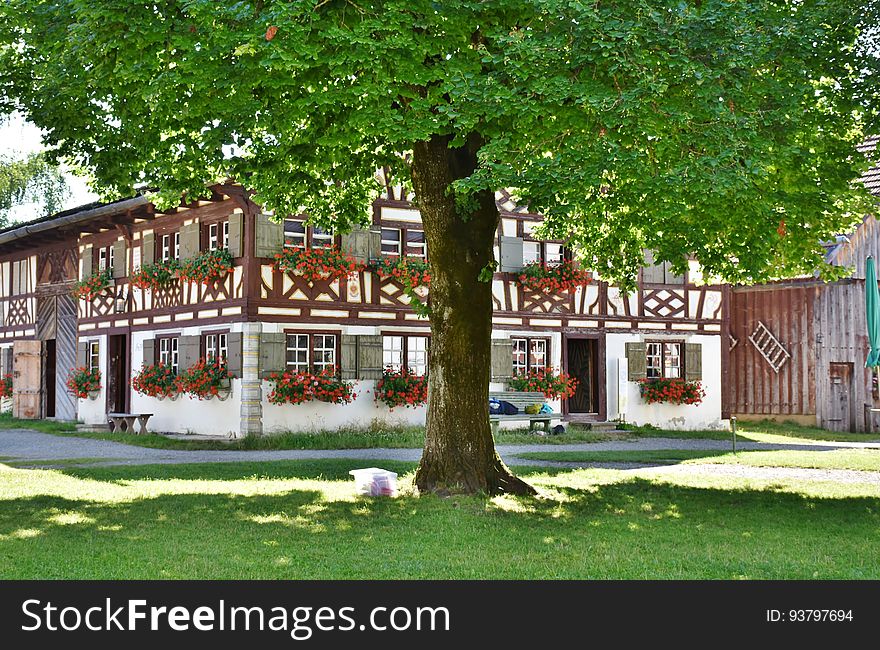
{"points": [[375, 482]]}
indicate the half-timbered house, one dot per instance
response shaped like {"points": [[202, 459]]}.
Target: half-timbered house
{"points": [[263, 320]]}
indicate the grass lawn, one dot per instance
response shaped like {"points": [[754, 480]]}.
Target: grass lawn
{"points": [[857, 459], [759, 431], [299, 519]]}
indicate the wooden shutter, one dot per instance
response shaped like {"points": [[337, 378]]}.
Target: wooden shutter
{"points": [[236, 234], [369, 353], [148, 250], [189, 350], [669, 276], [510, 255], [149, 357], [693, 361], [82, 354], [5, 360], [268, 236], [637, 360], [233, 353], [348, 356], [190, 235], [375, 239], [273, 351], [502, 360], [357, 242], [120, 264], [86, 262]]}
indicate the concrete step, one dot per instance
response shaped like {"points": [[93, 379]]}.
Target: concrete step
{"points": [[93, 428]]}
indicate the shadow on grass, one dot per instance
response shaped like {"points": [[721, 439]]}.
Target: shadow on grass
{"points": [[221, 522]]}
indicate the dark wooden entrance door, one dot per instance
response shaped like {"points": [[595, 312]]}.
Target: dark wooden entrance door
{"points": [[841, 414], [117, 380], [583, 365], [50, 367]]}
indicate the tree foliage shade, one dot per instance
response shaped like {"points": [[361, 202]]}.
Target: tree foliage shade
{"points": [[32, 178], [716, 128]]}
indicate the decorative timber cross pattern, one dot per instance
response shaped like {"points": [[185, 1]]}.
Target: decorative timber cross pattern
{"points": [[769, 347]]}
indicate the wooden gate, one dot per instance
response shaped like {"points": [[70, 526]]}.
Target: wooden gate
{"points": [[27, 379], [841, 414]]}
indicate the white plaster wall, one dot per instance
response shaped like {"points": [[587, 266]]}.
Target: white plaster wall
{"points": [[706, 415], [94, 411]]}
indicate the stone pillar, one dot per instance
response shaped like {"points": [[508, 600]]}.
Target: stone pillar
{"points": [[251, 383]]}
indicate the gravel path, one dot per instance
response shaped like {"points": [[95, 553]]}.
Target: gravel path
{"points": [[24, 445]]}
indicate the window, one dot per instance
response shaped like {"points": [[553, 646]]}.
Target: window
{"points": [[659, 273], [391, 241], [218, 235], [537, 251], [408, 351], [168, 353], [215, 346], [531, 252], [294, 233], [105, 258], [529, 354], [170, 249], [415, 243], [312, 352], [664, 360], [321, 238], [94, 355], [554, 254]]}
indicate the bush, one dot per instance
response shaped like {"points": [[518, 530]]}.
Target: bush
{"points": [[83, 381], [673, 391], [157, 380], [401, 388], [545, 380], [298, 387]]}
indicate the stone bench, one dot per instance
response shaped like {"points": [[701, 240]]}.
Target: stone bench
{"points": [[521, 400], [125, 421]]}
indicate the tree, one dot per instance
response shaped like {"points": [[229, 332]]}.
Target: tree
{"points": [[716, 128], [30, 179]]}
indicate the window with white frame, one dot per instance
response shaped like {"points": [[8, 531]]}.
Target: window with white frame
{"points": [[218, 235], [554, 254], [663, 360], [324, 351], [105, 258], [531, 252], [415, 243], [311, 352], [321, 238], [94, 355], [216, 347], [298, 352], [170, 246], [391, 241], [294, 233], [529, 354], [417, 354], [168, 352], [410, 351], [392, 352]]}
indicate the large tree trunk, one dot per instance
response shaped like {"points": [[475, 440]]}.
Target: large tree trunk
{"points": [[459, 453]]}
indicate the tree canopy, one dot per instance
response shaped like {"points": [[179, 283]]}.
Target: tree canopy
{"points": [[711, 127], [31, 178]]}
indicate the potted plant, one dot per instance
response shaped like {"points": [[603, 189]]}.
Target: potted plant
{"points": [[410, 271], [6, 386], [672, 391], [207, 267], [157, 380], [155, 276], [298, 387], [317, 264], [540, 277], [84, 383], [205, 380], [554, 385], [93, 286], [401, 388]]}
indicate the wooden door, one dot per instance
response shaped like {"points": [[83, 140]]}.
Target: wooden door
{"points": [[27, 379], [117, 385], [582, 365], [841, 415]]}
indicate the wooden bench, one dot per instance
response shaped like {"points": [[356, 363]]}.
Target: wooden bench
{"points": [[521, 400], [125, 421]]}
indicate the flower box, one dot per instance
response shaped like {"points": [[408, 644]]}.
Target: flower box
{"points": [[566, 276], [317, 264], [671, 391], [545, 380], [84, 383]]}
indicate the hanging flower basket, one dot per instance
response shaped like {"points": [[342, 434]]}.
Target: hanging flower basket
{"points": [[93, 286], [156, 380], [412, 272], [317, 264], [155, 276], [671, 391], [299, 387], [401, 388], [207, 267], [553, 279], [554, 385], [84, 383], [205, 380], [6, 386]]}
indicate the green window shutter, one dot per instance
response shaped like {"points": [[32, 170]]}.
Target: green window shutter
{"points": [[637, 360], [86, 262], [120, 264], [268, 236], [369, 356], [189, 350], [502, 360], [233, 353], [375, 243], [82, 352], [272, 352], [190, 235], [693, 361], [510, 255], [236, 234], [148, 250], [149, 357], [348, 356], [357, 242]]}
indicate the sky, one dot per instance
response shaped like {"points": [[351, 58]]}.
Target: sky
{"points": [[19, 137]]}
